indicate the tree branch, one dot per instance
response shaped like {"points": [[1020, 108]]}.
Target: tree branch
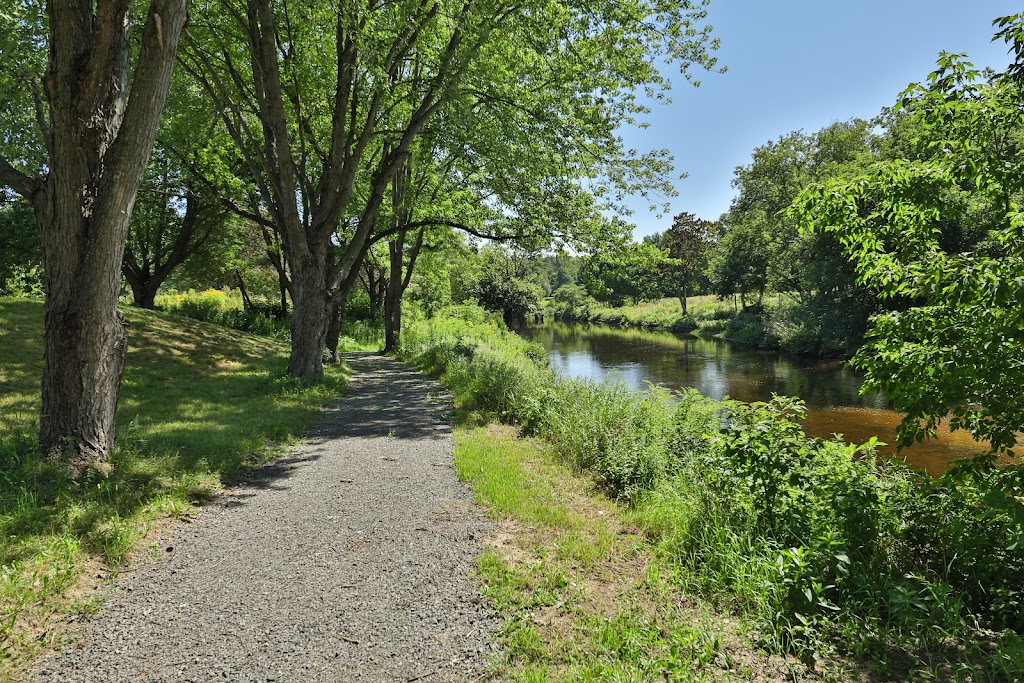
{"points": [[21, 183]]}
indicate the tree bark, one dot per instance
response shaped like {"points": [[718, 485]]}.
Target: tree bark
{"points": [[393, 294], [98, 138], [310, 314]]}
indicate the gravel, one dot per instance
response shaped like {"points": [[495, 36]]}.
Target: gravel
{"points": [[350, 559]]}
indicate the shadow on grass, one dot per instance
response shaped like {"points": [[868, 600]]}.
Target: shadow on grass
{"points": [[199, 405]]}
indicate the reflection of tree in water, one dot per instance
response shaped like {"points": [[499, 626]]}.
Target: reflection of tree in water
{"points": [[719, 368], [715, 367]]}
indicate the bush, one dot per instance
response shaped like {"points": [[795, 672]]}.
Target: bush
{"points": [[224, 308], [823, 546]]}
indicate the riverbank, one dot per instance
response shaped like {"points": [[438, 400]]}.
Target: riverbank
{"points": [[809, 542], [776, 325], [720, 369], [582, 589]]}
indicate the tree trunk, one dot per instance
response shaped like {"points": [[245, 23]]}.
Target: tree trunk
{"points": [[682, 298], [85, 343], [145, 297], [143, 288], [246, 301], [283, 286], [338, 306], [393, 294], [98, 139], [311, 308]]}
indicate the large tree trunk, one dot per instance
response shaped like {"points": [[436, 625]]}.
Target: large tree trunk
{"points": [[85, 347], [144, 293], [311, 308], [682, 298], [98, 141]]}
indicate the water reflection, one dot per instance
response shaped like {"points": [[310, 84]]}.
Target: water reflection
{"points": [[718, 368]]}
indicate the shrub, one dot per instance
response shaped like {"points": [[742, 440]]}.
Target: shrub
{"points": [[820, 543]]}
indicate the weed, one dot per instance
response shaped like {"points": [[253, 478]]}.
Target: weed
{"points": [[824, 549]]}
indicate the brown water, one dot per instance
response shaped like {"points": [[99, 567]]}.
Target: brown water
{"points": [[718, 368]]}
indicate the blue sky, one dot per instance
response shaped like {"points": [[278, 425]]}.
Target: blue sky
{"points": [[796, 64]]}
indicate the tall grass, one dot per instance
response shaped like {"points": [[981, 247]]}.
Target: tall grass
{"points": [[820, 545], [226, 308]]}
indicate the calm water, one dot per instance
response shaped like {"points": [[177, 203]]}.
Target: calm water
{"points": [[718, 368]]}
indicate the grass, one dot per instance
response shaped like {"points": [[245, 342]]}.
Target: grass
{"points": [[704, 313], [199, 404], [583, 593], [825, 553]]}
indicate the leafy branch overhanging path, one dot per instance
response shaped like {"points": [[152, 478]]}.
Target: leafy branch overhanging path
{"points": [[348, 559]]}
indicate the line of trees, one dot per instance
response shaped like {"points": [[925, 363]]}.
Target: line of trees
{"points": [[325, 130]]}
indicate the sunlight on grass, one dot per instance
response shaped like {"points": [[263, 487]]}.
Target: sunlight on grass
{"points": [[199, 402], [583, 596]]}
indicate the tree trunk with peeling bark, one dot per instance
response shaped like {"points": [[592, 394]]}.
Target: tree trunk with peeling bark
{"points": [[98, 138]]}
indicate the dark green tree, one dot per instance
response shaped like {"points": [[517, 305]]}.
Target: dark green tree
{"points": [[687, 242], [957, 352]]}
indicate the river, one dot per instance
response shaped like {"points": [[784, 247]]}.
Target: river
{"points": [[718, 368]]}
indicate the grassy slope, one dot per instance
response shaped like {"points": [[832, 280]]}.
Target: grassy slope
{"points": [[199, 402], [584, 595], [705, 311]]}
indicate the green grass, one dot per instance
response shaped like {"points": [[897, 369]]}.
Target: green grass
{"points": [[199, 403], [666, 314], [825, 553], [583, 594]]}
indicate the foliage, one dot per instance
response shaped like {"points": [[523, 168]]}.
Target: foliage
{"points": [[956, 352], [628, 274], [501, 285], [572, 302], [20, 255], [812, 539], [223, 308]]}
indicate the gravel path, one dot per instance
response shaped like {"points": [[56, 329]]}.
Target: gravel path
{"points": [[348, 560]]}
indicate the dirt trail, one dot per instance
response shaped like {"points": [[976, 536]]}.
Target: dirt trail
{"points": [[348, 560]]}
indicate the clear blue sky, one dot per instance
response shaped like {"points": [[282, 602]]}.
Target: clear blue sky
{"points": [[796, 64]]}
